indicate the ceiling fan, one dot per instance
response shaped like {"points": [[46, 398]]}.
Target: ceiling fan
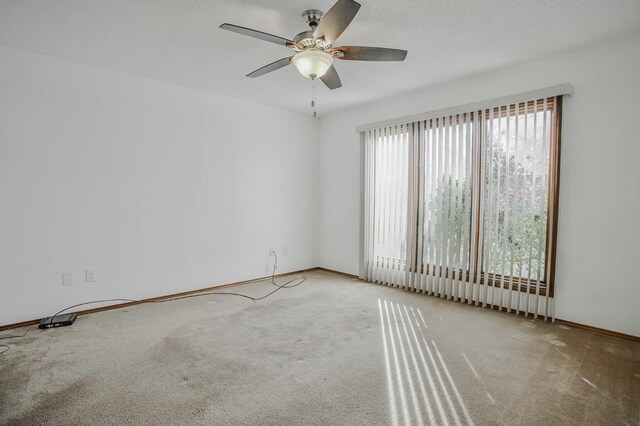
{"points": [[314, 48]]}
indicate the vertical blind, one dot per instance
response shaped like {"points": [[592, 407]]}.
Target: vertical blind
{"points": [[463, 206]]}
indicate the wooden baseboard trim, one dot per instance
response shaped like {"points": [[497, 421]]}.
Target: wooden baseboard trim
{"points": [[156, 299], [204, 290], [599, 330], [337, 272], [19, 324], [583, 327]]}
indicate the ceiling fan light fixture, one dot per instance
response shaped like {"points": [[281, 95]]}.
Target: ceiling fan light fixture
{"points": [[315, 50], [312, 63]]}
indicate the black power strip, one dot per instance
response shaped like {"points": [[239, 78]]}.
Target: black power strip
{"points": [[58, 321]]}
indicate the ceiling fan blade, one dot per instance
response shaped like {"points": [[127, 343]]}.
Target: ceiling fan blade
{"points": [[363, 53], [331, 79], [258, 34], [336, 20], [271, 67]]}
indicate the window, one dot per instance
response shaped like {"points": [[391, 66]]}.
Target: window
{"points": [[391, 186], [464, 205], [518, 177]]}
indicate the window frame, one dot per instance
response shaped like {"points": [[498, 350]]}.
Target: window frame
{"points": [[547, 282]]}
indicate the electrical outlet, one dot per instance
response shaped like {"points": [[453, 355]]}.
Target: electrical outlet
{"points": [[90, 276], [67, 278], [285, 250]]}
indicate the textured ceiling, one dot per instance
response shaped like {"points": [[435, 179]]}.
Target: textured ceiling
{"points": [[179, 41]]}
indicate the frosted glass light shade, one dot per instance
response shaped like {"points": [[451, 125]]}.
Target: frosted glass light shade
{"points": [[312, 63]]}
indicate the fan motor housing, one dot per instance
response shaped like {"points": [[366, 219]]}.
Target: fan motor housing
{"points": [[306, 41]]}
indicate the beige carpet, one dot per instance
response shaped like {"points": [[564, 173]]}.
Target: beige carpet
{"points": [[331, 351]]}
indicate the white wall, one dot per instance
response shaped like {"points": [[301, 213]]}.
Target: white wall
{"points": [[159, 188], [143, 181], [598, 264]]}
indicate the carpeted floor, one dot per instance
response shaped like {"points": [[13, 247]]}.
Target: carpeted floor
{"points": [[331, 351]]}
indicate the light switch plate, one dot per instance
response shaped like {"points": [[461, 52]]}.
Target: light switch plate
{"points": [[67, 278]]}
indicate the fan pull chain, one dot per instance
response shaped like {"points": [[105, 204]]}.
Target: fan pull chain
{"points": [[313, 98]]}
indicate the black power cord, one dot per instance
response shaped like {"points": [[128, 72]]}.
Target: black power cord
{"points": [[13, 337], [289, 284], [19, 335]]}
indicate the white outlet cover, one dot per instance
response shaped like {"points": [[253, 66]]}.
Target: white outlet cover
{"points": [[67, 278], [90, 275]]}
